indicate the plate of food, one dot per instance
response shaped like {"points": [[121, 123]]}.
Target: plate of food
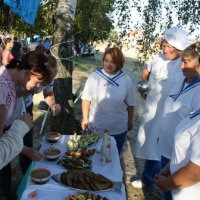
{"points": [[85, 196], [74, 162], [87, 181], [82, 141], [81, 152]]}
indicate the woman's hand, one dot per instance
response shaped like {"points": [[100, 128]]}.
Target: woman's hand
{"points": [[130, 125], [32, 153], [165, 172], [27, 118], [160, 178], [144, 96], [160, 181], [55, 109], [84, 124], [85, 113]]}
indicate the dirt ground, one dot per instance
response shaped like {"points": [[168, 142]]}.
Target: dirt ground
{"points": [[132, 166]]}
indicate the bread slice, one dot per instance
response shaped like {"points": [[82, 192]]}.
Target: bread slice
{"points": [[62, 177], [76, 177], [80, 186], [99, 177], [88, 179], [86, 186], [102, 185], [90, 174], [75, 184], [92, 185]]}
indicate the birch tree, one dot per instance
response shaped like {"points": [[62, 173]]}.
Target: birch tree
{"points": [[62, 50]]}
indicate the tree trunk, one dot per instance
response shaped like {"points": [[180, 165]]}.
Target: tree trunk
{"points": [[10, 21], [64, 123]]}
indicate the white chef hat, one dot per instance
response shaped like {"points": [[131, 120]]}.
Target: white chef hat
{"points": [[176, 37]]}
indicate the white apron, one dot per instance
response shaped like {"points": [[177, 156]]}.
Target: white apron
{"points": [[164, 74]]}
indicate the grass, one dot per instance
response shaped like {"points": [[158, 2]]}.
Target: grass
{"points": [[85, 64], [38, 116], [35, 107]]}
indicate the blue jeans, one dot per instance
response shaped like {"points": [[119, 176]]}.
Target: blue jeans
{"points": [[164, 161], [151, 168], [120, 140]]}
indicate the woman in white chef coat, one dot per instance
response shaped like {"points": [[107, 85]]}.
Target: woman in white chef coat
{"points": [[162, 73], [183, 99]]}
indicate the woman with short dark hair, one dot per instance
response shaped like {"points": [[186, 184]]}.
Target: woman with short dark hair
{"points": [[29, 73]]}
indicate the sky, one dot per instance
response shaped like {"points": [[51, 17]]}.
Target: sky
{"points": [[135, 17]]}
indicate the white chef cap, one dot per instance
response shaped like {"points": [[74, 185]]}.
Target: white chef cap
{"points": [[176, 37]]}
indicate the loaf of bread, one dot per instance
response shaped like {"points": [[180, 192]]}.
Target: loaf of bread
{"points": [[86, 180]]}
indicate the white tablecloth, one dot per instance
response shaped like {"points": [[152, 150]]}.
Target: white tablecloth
{"points": [[52, 190]]}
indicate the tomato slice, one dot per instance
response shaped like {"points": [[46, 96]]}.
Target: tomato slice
{"points": [[33, 194]]}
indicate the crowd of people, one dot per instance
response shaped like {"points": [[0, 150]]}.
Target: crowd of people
{"points": [[169, 128], [83, 49]]}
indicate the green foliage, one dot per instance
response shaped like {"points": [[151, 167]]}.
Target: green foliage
{"points": [[4, 10], [123, 11], [155, 17], [43, 22], [113, 36], [92, 20]]}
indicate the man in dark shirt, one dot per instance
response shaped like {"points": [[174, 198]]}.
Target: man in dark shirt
{"points": [[17, 49]]}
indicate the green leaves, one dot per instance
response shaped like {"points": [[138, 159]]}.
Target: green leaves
{"points": [[155, 16], [92, 20]]}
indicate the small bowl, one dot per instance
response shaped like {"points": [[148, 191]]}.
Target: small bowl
{"points": [[40, 175], [52, 154], [52, 137]]}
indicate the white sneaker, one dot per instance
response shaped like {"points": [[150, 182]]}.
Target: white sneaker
{"points": [[138, 184]]}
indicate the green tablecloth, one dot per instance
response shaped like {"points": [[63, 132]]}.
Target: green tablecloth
{"points": [[22, 185]]}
